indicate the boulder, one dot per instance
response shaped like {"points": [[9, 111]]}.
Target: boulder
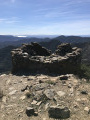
{"points": [[30, 111], [59, 112]]}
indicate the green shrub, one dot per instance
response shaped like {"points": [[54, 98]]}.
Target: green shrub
{"points": [[50, 82], [85, 68]]}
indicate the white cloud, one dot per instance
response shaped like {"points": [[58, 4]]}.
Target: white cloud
{"points": [[2, 20], [58, 14], [11, 20]]}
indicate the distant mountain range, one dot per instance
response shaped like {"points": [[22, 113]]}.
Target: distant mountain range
{"points": [[72, 39], [17, 41], [21, 37], [6, 40]]}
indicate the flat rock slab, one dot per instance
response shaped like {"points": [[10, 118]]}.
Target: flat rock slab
{"points": [[4, 99], [40, 86], [13, 92], [49, 93], [34, 102], [87, 110], [22, 97], [61, 93]]}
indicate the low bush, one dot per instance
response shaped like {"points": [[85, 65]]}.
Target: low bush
{"points": [[85, 68]]}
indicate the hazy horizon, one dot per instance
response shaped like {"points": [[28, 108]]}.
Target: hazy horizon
{"points": [[43, 36]]}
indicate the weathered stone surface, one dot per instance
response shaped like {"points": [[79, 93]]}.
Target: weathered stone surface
{"points": [[34, 58], [87, 110], [4, 99], [63, 77], [25, 88], [61, 93], [13, 92], [47, 106], [63, 49], [22, 97], [41, 86], [39, 103], [49, 93], [57, 112], [34, 102], [27, 93]]}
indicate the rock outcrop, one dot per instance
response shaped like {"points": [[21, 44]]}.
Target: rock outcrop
{"points": [[63, 49], [34, 58]]}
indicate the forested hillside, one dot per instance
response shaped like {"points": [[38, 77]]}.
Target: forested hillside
{"points": [[5, 59]]}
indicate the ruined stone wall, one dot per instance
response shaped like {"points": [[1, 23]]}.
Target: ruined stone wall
{"points": [[33, 58]]}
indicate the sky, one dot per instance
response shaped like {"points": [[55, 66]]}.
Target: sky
{"points": [[45, 17]]}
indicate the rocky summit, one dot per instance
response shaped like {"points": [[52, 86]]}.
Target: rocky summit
{"points": [[35, 58], [44, 97], [38, 96]]}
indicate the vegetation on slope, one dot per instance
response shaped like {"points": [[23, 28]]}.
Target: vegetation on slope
{"points": [[5, 59], [86, 71]]}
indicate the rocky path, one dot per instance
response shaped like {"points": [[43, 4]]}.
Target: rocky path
{"points": [[39, 93]]}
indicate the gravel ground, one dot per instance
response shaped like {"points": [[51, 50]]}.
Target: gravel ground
{"points": [[73, 93]]}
